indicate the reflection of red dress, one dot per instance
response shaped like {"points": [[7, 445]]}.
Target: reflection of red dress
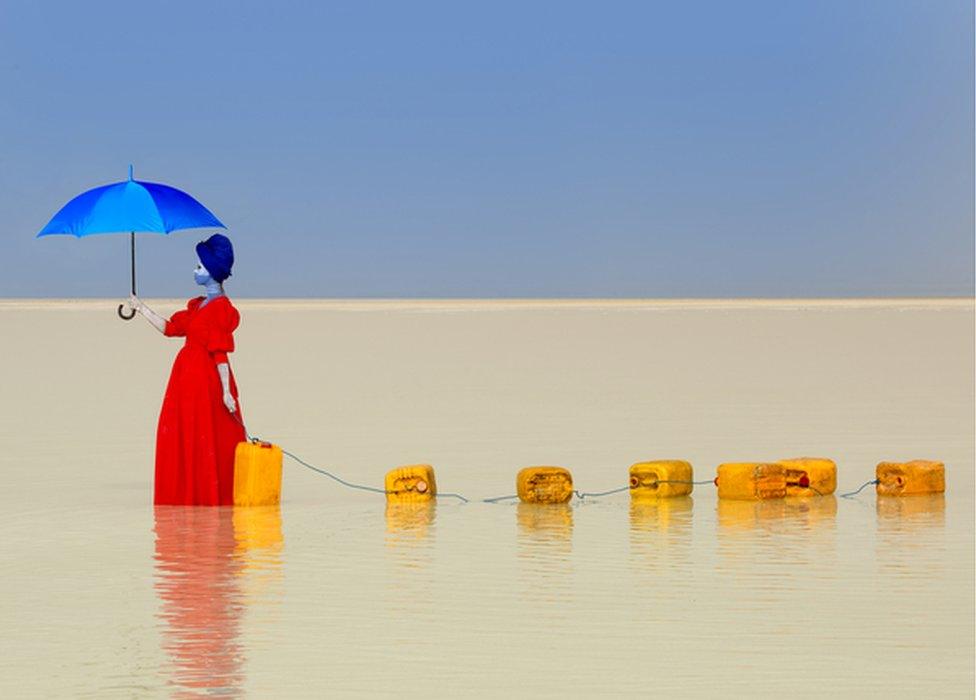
{"points": [[198, 586], [197, 435]]}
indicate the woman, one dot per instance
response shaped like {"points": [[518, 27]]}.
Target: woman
{"points": [[200, 423]]}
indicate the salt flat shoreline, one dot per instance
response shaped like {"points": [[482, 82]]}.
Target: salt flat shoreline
{"points": [[310, 304]]}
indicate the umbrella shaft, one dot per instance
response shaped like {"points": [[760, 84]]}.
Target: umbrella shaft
{"points": [[132, 241]]}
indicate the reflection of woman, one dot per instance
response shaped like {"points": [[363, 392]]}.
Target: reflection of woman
{"points": [[198, 587], [197, 432]]}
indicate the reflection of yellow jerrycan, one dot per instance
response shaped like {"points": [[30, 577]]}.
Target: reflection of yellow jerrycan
{"points": [[664, 478], [539, 518], [257, 474], [259, 544], [412, 517], [257, 529], [411, 484], [813, 511], [651, 514], [751, 481], [910, 478], [810, 476], [544, 485], [925, 508], [737, 514]]}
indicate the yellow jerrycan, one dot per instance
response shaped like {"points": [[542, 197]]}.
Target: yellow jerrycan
{"points": [[410, 484], [544, 485], [751, 481], [913, 478], [666, 478], [257, 474], [810, 476]]}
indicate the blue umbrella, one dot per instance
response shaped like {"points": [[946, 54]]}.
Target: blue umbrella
{"points": [[130, 206]]}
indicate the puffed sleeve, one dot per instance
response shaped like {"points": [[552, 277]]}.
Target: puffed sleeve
{"points": [[176, 325], [221, 340]]}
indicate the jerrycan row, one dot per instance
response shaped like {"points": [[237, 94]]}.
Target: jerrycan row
{"points": [[258, 466]]}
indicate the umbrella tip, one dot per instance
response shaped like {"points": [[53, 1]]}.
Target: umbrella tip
{"points": [[130, 171]]}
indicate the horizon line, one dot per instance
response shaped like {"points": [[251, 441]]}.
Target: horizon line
{"points": [[384, 303]]}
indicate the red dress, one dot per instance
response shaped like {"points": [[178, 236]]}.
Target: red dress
{"points": [[197, 435]]}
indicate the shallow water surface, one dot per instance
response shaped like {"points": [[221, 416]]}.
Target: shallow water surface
{"points": [[336, 591]]}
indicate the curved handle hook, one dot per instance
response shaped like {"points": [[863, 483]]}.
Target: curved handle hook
{"points": [[132, 313]]}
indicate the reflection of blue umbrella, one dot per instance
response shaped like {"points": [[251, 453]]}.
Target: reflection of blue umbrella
{"points": [[130, 206]]}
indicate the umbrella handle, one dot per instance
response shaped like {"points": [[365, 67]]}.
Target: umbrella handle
{"points": [[132, 244]]}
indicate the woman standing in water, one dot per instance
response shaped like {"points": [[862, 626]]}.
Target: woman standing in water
{"points": [[200, 422]]}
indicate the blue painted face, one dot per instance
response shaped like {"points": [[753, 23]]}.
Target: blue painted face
{"points": [[200, 275]]}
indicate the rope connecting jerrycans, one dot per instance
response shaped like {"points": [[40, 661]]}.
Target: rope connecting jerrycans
{"points": [[257, 474]]}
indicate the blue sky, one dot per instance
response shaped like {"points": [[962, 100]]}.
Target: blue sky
{"points": [[707, 149]]}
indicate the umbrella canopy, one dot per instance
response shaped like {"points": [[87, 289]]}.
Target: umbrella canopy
{"points": [[128, 206]]}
